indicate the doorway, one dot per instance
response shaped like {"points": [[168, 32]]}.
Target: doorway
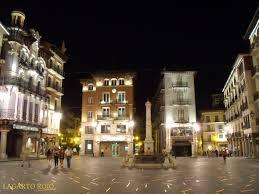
{"points": [[115, 149]]}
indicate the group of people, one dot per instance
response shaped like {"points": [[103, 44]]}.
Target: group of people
{"points": [[59, 155]]}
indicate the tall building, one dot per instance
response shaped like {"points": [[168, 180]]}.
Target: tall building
{"points": [[241, 122], [107, 114], [174, 113], [24, 103], [253, 35]]}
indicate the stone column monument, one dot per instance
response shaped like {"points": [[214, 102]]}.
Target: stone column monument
{"points": [[149, 142]]}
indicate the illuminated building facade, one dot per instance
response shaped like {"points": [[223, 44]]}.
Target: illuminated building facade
{"points": [[107, 114], [174, 113], [213, 134], [241, 119], [25, 102]]}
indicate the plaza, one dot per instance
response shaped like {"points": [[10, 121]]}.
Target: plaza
{"points": [[104, 175]]}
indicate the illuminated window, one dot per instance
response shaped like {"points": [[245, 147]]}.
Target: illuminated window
{"points": [[121, 97], [121, 81], [105, 128], [121, 112], [113, 82], [121, 128], [106, 112], [90, 115], [89, 130], [106, 97], [90, 87], [106, 82]]}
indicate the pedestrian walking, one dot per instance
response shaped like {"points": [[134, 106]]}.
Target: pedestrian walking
{"points": [[61, 156], [224, 154], [49, 157], [102, 153], [25, 158], [68, 154], [56, 156]]}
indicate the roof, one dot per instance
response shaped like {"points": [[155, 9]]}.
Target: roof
{"points": [[252, 24]]}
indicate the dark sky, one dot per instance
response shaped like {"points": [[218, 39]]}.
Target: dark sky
{"points": [[145, 37]]}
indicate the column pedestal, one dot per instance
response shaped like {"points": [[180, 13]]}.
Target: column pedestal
{"points": [[3, 144]]}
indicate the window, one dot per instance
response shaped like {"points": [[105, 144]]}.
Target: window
{"points": [[121, 128], [90, 87], [216, 118], [106, 82], [220, 127], [121, 97], [38, 88], [114, 81], [220, 136], [105, 128], [121, 81], [89, 130], [90, 100], [180, 114], [106, 97], [30, 83], [57, 86], [24, 112], [30, 111], [56, 105], [36, 113], [209, 137], [90, 115], [207, 118], [49, 82], [106, 112], [208, 127], [121, 112]]}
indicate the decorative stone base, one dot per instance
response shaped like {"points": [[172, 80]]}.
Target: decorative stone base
{"points": [[148, 147], [3, 156]]}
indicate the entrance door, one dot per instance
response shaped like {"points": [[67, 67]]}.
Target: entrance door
{"points": [[182, 148], [88, 146], [115, 149]]}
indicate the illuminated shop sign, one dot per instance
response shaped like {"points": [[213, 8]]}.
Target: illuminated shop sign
{"points": [[23, 127]]}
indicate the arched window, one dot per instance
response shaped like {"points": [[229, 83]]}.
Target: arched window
{"points": [[121, 81], [113, 82]]}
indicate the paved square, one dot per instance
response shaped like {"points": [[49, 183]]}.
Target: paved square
{"points": [[104, 175]]}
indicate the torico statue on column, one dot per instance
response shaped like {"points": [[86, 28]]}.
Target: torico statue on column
{"points": [[149, 142]]}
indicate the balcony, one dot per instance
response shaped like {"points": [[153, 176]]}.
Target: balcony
{"points": [[7, 114], [181, 102], [121, 117], [182, 120], [55, 69], [106, 103], [256, 96], [103, 117], [121, 101], [27, 65], [58, 90], [180, 85], [24, 86]]}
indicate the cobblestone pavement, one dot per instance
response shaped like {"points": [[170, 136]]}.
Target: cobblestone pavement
{"points": [[104, 175]]}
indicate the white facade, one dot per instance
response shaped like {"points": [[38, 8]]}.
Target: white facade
{"points": [[25, 108], [178, 127]]}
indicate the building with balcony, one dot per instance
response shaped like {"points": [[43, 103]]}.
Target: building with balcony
{"points": [[240, 107], [24, 101], [174, 113], [213, 134], [107, 114], [252, 35]]}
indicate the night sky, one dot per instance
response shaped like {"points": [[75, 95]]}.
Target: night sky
{"points": [[205, 36]]}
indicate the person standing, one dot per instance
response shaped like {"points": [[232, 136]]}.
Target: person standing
{"points": [[56, 156], [68, 154], [49, 157], [102, 153], [61, 156]]}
